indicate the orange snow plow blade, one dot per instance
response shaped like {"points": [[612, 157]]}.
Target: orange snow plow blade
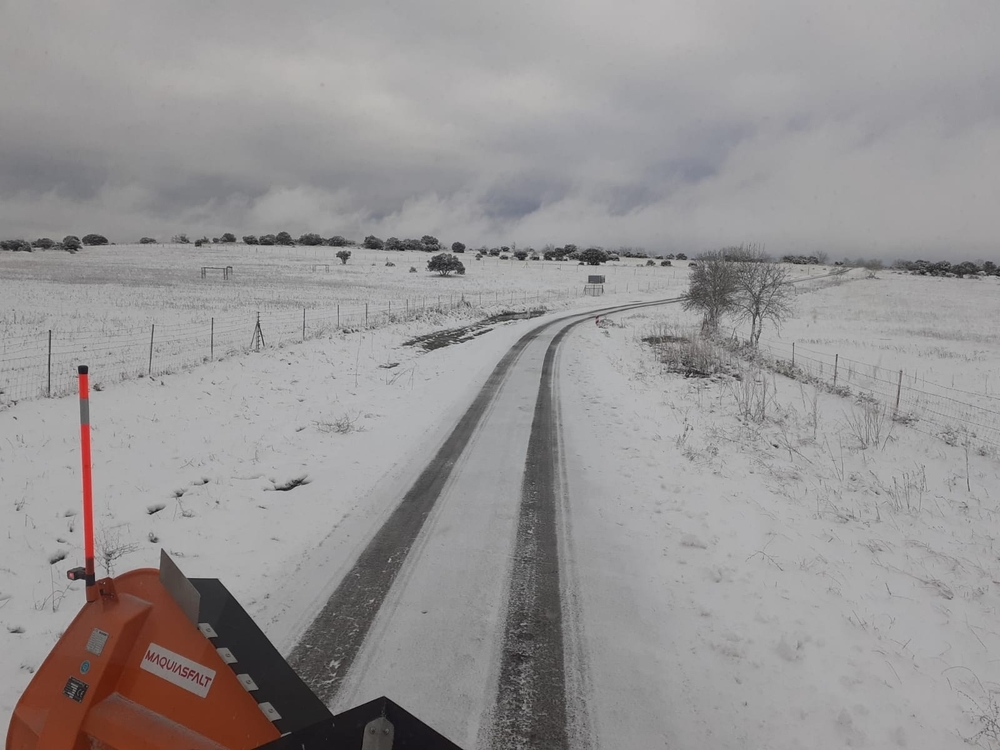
{"points": [[133, 670], [157, 661]]}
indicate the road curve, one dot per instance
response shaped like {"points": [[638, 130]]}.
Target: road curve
{"points": [[453, 608]]}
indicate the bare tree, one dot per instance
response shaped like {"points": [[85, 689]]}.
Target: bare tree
{"points": [[712, 289], [762, 292]]}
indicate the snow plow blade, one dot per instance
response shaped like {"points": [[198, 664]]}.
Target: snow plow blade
{"points": [[158, 661]]}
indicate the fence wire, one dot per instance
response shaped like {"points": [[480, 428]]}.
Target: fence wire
{"points": [[45, 365], [956, 416]]}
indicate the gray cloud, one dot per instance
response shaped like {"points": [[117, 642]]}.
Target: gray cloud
{"points": [[854, 128]]}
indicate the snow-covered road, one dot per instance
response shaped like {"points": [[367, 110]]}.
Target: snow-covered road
{"points": [[462, 606]]}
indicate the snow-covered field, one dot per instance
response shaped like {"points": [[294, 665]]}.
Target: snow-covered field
{"points": [[108, 305], [747, 585], [794, 590]]}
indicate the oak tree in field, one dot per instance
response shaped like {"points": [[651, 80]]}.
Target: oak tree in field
{"points": [[457, 247], [445, 264], [95, 239], [71, 242], [283, 238], [594, 256], [372, 242], [249, 239], [344, 255], [337, 241], [181, 239], [228, 238], [147, 241]]}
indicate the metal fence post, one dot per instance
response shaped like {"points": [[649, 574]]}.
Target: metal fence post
{"points": [[151, 332], [303, 324], [50, 364], [211, 344], [836, 361], [338, 316], [793, 354], [899, 388]]}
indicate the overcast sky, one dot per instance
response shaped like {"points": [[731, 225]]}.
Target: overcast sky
{"points": [[863, 127]]}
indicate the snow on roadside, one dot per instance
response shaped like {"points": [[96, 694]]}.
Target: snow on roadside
{"points": [[195, 463], [771, 585]]}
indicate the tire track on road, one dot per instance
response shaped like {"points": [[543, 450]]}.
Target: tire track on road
{"points": [[330, 645], [531, 703]]}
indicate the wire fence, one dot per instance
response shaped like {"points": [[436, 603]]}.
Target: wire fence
{"points": [[956, 416], [45, 365]]}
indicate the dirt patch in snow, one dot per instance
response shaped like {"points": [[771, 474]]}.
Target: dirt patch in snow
{"points": [[438, 339]]}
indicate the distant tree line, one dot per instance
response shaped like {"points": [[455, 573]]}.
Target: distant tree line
{"points": [[945, 268], [70, 242]]}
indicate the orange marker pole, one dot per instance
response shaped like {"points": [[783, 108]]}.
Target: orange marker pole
{"points": [[88, 492]]}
